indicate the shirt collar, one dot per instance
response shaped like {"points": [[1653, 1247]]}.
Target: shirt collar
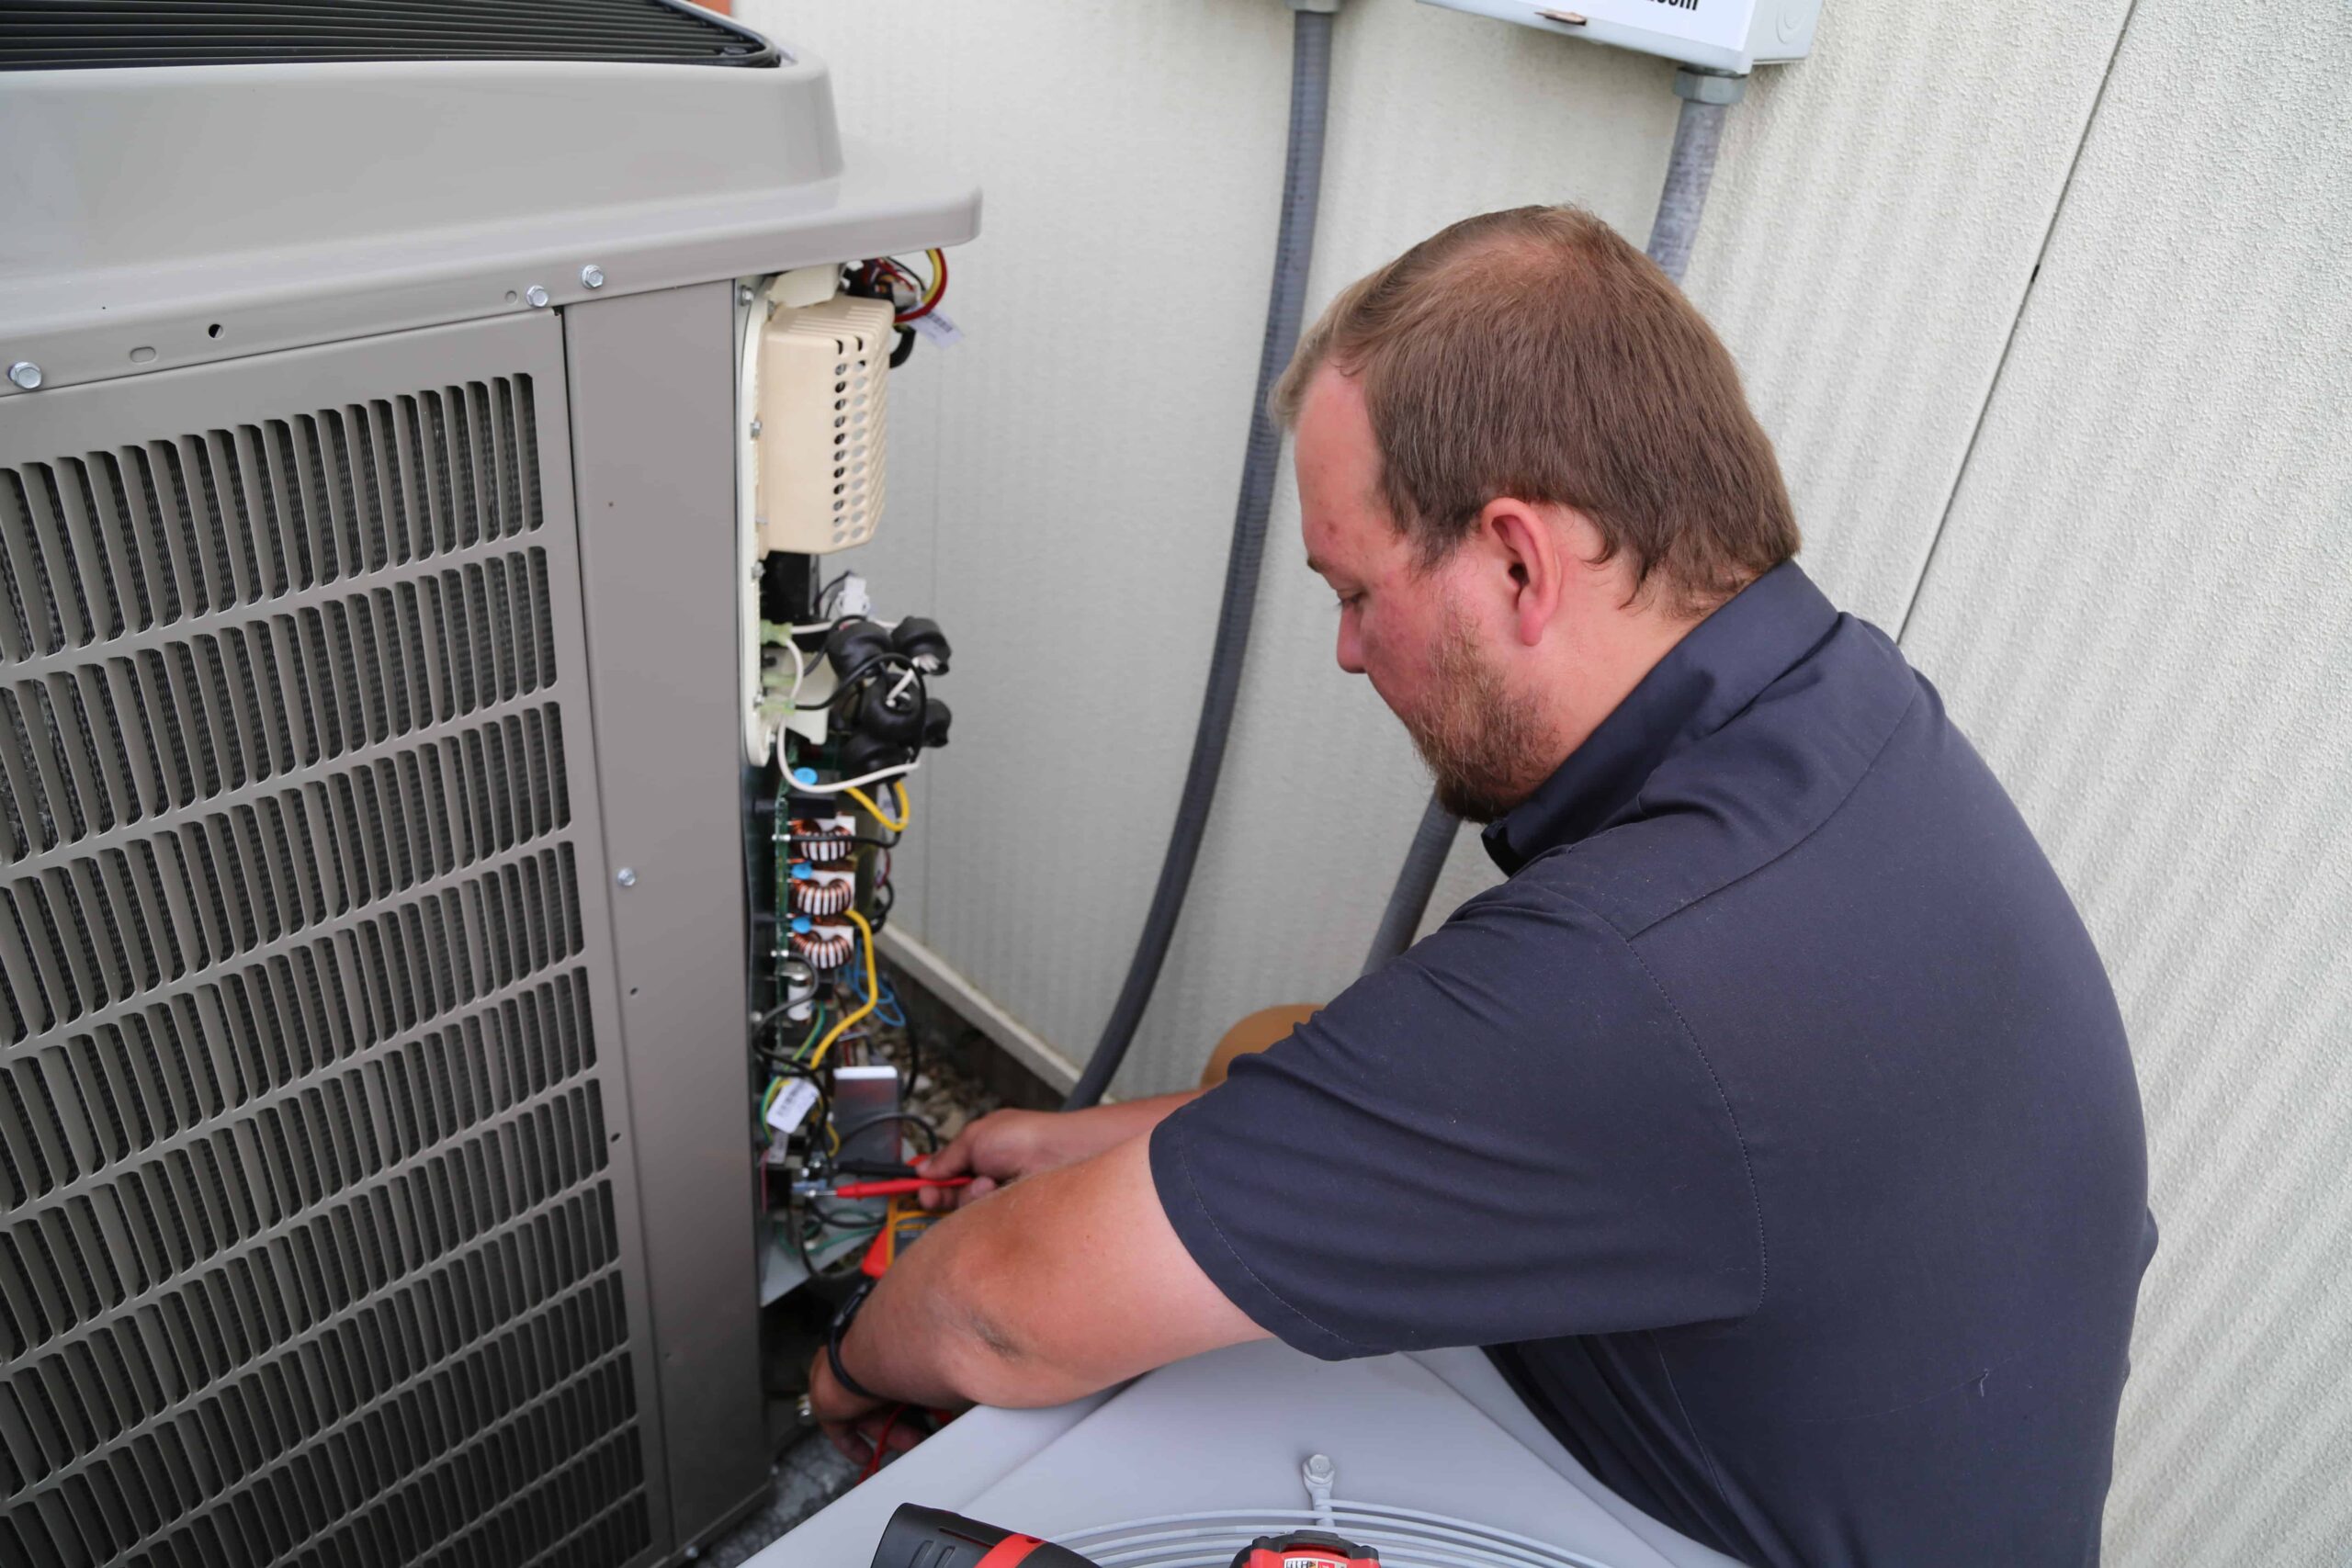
{"points": [[1717, 670]]}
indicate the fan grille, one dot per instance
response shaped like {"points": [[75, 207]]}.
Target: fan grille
{"points": [[308, 1243], [1406, 1538], [52, 35]]}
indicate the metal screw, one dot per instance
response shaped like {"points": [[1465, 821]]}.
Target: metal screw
{"points": [[693, 1554], [25, 374], [625, 876], [536, 295], [593, 275], [755, 430], [743, 293]]}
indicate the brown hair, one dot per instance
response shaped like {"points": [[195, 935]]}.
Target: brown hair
{"points": [[1535, 354]]}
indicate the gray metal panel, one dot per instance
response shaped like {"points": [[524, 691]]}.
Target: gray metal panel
{"points": [[2139, 610], [317, 1230], [653, 389], [203, 214]]}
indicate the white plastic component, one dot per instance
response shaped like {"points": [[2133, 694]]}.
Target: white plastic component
{"points": [[1733, 35], [849, 599], [792, 1106], [807, 285], [823, 369]]}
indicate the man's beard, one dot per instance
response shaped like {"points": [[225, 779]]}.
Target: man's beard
{"points": [[1485, 747]]}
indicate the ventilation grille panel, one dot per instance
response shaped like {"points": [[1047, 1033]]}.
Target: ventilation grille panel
{"points": [[53, 35], [308, 1245]]}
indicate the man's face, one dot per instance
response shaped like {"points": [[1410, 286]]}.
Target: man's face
{"points": [[1404, 627]]}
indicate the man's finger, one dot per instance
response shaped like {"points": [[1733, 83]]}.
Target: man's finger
{"points": [[953, 1160], [954, 1197]]}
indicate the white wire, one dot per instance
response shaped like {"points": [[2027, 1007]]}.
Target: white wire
{"points": [[829, 626], [840, 784], [800, 670]]}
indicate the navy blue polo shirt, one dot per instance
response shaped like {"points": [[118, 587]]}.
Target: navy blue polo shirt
{"points": [[1773, 1126]]}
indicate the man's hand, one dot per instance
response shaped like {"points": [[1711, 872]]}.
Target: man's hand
{"points": [[854, 1425], [1006, 1146]]}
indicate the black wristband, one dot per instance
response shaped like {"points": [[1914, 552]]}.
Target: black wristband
{"points": [[841, 1319]]}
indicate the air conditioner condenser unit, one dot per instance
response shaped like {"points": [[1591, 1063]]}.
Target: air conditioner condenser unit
{"points": [[372, 1008]]}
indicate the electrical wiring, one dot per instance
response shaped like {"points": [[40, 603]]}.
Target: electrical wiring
{"points": [[895, 825], [811, 786], [799, 670], [938, 290], [906, 1118], [878, 662], [927, 295], [873, 989], [887, 1011], [815, 1024], [882, 1443]]}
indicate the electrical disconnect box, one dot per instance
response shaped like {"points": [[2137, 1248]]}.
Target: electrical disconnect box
{"points": [[1731, 37]]}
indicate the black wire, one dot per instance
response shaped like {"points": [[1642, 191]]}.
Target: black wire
{"points": [[792, 1229], [908, 1117], [873, 664]]}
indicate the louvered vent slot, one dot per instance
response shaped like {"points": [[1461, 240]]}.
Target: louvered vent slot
{"points": [[308, 1238]]}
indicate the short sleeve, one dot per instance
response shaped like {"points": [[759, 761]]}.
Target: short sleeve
{"points": [[1505, 1135]]}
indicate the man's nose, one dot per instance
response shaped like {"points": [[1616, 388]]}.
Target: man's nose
{"points": [[1350, 650]]}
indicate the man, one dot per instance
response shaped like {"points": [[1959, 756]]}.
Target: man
{"points": [[1773, 1126]]}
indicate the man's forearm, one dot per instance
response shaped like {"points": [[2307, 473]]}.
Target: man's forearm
{"points": [[1131, 1118], [1059, 1285], [937, 1332]]}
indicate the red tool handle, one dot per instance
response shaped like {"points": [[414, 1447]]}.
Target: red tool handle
{"points": [[897, 1186]]}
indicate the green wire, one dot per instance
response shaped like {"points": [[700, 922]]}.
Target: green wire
{"points": [[816, 1030]]}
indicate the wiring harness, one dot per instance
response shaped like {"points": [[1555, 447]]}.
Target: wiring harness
{"points": [[858, 714]]}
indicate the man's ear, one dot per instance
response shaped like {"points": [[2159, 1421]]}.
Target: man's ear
{"points": [[1522, 542]]}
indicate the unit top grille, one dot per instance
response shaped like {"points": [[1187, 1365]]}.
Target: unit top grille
{"points": [[64, 35]]}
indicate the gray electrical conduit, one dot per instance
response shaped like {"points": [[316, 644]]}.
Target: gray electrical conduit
{"points": [[1293, 246], [1690, 169]]}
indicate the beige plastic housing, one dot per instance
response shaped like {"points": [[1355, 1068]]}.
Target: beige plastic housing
{"points": [[823, 372]]}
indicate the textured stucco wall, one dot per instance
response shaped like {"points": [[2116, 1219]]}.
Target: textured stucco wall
{"points": [[2045, 307], [2140, 608]]}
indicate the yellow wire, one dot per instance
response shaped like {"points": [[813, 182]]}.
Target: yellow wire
{"points": [[905, 813], [873, 992]]}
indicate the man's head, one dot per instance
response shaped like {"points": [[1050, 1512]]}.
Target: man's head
{"points": [[1526, 467]]}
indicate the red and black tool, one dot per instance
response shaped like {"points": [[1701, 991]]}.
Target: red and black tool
{"points": [[918, 1536], [1306, 1549]]}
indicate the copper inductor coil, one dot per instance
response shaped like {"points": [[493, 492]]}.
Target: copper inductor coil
{"points": [[822, 949], [811, 844], [822, 897]]}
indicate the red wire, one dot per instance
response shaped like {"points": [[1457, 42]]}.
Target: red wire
{"points": [[938, 290], [882, 1443]]}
